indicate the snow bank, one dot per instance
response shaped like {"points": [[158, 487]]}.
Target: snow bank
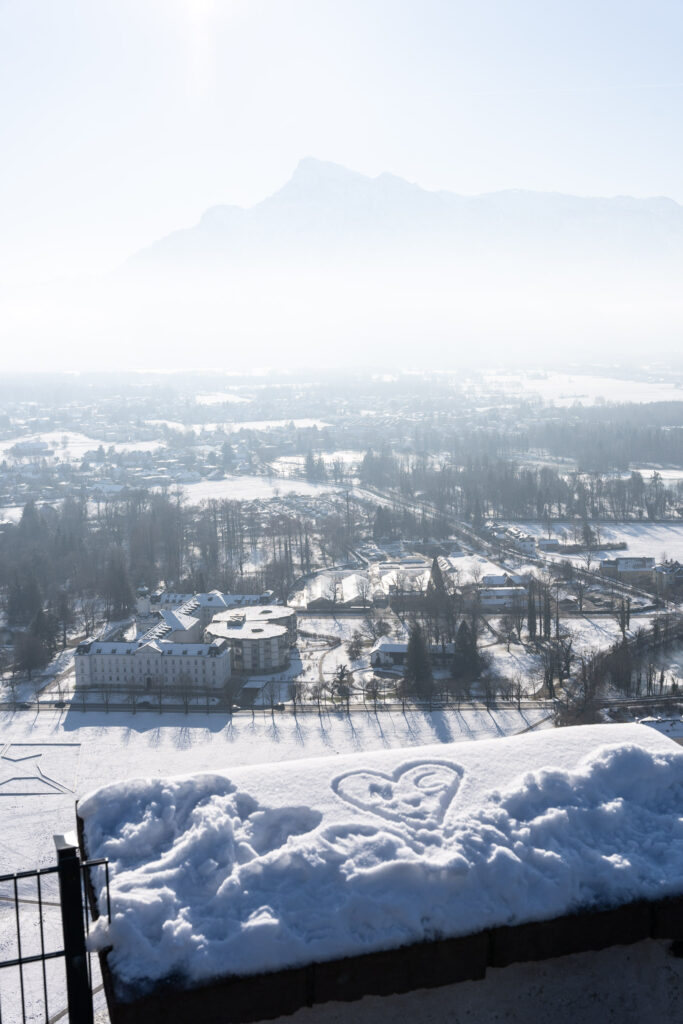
{"points": [[281, 865]]}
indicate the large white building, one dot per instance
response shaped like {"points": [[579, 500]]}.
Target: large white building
{"points": [[202, 606], [148, 664], [194, 641], [260, 638]]}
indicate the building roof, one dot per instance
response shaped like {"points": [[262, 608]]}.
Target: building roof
{"points": [[267, 613], [243, 629], [162, 647], [171, 621], [258, 613]]}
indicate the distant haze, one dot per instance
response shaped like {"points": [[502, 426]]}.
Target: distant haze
{"points": [[154, 211], [337, 268], [327, 215]]}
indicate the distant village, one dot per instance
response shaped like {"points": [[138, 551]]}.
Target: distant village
{"points": [[304, 551]]}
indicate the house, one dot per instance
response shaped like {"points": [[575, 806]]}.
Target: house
{"points": [[505, 579], [669, 576], [502, 598], [636, 571], [389, 653]]}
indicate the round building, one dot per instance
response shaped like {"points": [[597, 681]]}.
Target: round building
{"points": [[258, 646]]}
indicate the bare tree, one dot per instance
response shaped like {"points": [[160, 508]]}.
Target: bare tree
{"points": [[507, 629], [86, 614], [518, 613]]}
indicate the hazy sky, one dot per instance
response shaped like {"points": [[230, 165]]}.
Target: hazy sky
{"points": [[124, 119]]}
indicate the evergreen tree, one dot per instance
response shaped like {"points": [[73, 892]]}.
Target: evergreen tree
{"points": [[30, 653], [531, 610], [24, 600], [45, 628], [418, 672], [117, 589], [436, 581], [547, 615], [466, 660]]}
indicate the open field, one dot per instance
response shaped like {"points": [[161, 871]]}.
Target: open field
{"points": [[653, 539], [77, 753]]}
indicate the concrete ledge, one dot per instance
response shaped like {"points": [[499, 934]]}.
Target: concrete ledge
{"points": [[422, 965], [575, 933], [667, 918]]}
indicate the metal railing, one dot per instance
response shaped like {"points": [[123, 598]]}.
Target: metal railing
{"points": [[36, 943]]}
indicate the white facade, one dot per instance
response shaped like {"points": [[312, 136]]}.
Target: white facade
{"points": [[173, 652], [148, 665], [502, 598], [258, 647]]}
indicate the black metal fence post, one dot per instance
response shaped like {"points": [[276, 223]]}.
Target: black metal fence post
{"points": [[71, 895]]}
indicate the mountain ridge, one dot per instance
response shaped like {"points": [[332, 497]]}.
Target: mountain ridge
{"points": [[325, 211]]}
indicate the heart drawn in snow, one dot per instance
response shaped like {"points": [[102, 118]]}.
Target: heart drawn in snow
{"points": [[417, 794]]}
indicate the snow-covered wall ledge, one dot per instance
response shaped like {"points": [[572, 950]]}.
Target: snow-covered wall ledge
{"points": [[383, 872]]}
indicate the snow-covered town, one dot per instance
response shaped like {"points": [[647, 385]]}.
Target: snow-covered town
{"points": [[327, 614], [341, 512]]}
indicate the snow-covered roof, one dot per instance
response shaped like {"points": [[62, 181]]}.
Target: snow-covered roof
{"points": [[171, 621], [497, 593], [281, 865], [390, 646], [240, 628], [148, 646], [273, 613]]}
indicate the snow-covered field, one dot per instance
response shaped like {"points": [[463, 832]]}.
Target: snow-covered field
{"points": [[670, 475], [469, 568], [287, 464], [76, 751], [565, 389], [517, 663], [248, 488], [271, 867], [343, 626], [600, 631], [68, 445], [220, 398], [653, 539]]}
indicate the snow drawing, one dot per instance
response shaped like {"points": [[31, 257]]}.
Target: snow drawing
{"points": [[29, 769], [417, 795]]}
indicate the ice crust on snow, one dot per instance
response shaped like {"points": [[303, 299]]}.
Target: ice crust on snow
{"points": [[270, 867]]}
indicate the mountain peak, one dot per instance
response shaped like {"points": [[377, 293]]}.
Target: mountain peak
{"points": [[326, 212], [313, 173]]}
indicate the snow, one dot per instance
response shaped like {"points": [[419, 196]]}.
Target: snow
{"points": [[72, 445], [287, 464], [341, 626], [471, 567], [518, 662], [643, 539], [270, 867], [80, 750], [220, 398], [564, 389], [248, 488], [592, 633]]}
